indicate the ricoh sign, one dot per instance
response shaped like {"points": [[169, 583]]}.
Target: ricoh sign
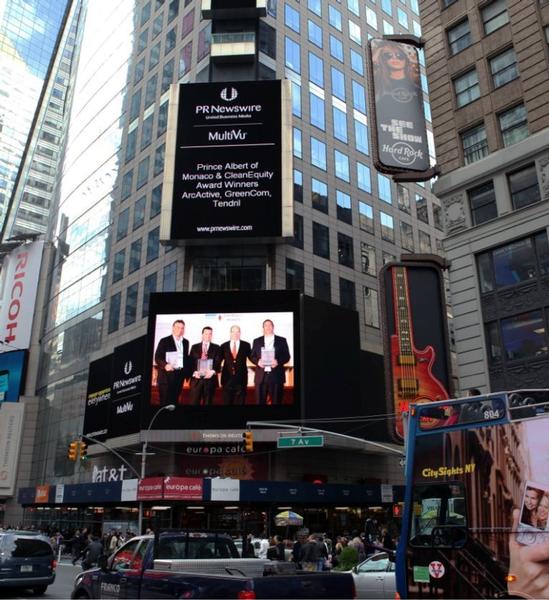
{"points": [[230, 174]]}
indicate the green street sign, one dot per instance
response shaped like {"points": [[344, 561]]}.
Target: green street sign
{"points": [[300, 441]]}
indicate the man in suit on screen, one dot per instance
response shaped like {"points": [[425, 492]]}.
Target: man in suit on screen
{"points": [[204, 380], [269, 378], [234, 355], [172, 362]]}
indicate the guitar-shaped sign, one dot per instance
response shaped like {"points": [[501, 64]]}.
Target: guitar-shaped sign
{"points": [[412, 376]]}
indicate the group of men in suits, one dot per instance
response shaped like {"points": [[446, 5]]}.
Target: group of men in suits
{"points": [[201, 363]]}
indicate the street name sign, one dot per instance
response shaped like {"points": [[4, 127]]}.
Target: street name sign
{"points": [[300, 441]]}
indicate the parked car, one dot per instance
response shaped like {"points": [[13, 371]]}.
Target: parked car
{"points": [[375, 577], [26, 561]]}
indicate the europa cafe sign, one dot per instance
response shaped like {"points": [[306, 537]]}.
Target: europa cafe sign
{"points": [[21, 271]]}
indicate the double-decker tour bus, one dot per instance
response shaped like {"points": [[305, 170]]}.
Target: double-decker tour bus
{"points": [[475, 521]]}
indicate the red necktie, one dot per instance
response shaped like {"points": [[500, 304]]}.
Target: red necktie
{"points": [[234, 352], [204, 352]]}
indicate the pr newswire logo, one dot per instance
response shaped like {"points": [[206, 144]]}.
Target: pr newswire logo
{"points": [[229, 94], [128, 366]]}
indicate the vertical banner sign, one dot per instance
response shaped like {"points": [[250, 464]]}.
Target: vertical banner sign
{"points": [[21, 271], [127, 388], [98, 398], [11, 433], [232, 163], [399, 132], [417, 357]]}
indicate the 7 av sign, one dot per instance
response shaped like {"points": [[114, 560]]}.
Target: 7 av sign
{"points": [[300, 441]]}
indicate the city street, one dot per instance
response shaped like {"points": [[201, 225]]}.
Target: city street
{"points": [[61, 589]]}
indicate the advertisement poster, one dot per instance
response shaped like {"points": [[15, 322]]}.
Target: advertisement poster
{"points": [[231, 177], [11, 433], [400, 134], [98, 398], [415, 338], [12, 375]]}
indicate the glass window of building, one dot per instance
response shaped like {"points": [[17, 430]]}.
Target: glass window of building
{"points": [[171, 39], [154, 56], [459, 37], [359, 97], [504, 67], [371, 18], [524, 336], [298, 186], [414, 5], [366, 217], [135, 106], [341, 165], [542, 251], [139, 212], [384, 188], [153, 244], [135, 256], [371, 309], [482, 200], [448, 3], [157, 25], [357, 63], [143, 41], [475, 144], [127, 185], [315, 6], [368, 258], [334, 17], [298, 149], [167, 75], [388, 28], [514, 125], [156, 201], [322, 285], [267, 39], [353, 6], [188, 24], [123, 224], [146, 131], [361, 137], [169, 277], [291, 17], [321, 240], [118, 265], [317, 111], [298, 231], [387, 227], [343, 207], [143, 172], [204, 42], [131, 304], [345, 252], [494, 15], [292, 55], [416, 28], [493, 342], [295, 275], [336, 48], [318, 153], [114, 312], [319, 195], [466, 88], [347, 296], [402, 18], [131, 143], [159, 155], [150, 91], [315, 33], [139, 71], [437, 217], [316, 69], [340, 124], [524, 187], [406, 236], [387, 7], [403, 198], [354, 33], [149, 287], [424, 242], [364, 180], [185, 59], [145, 13], [296, 99], [338, 83]]}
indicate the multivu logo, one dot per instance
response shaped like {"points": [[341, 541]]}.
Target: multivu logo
{"points": [[128, 367], [229, 94], [124, 408]]}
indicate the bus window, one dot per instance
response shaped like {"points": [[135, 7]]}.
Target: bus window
{"points": [[439, 516]]}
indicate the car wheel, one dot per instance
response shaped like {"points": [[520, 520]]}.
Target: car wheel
{"points": [[39, 590]]}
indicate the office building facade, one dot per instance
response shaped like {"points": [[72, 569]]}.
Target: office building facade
{"points": [[487, 70]]}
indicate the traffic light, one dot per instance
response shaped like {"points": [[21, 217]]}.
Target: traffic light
{"points": [[248, 441], [73, 451], [398, 509], [83, 451]]}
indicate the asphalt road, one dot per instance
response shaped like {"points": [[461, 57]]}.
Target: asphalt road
{"points": [[60, 589]]}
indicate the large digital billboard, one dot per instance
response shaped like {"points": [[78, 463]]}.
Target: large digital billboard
{"points": [[399, 132], [228, 162], [12, 375], [98, 398], [222, 358], [417, 357]]}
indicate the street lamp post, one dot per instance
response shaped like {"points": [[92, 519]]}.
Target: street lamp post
{"points": [[171, 408]]}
